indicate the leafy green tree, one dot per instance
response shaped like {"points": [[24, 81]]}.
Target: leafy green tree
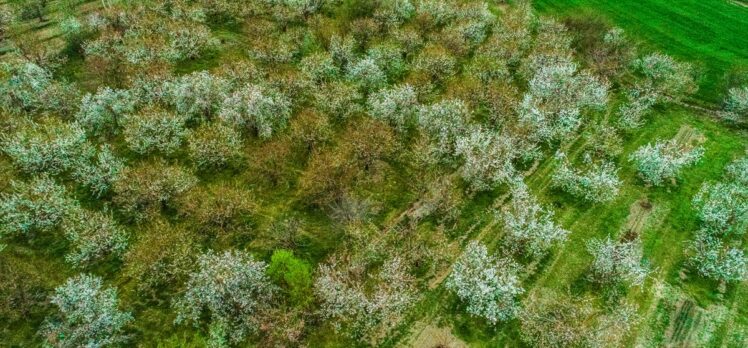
{"points": [[155, 130], [294, 274]]}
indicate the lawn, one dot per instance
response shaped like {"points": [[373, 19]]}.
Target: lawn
{"points": [[709, 33]]}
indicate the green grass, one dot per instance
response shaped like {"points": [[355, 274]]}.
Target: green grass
{"points": [[709, 33]]}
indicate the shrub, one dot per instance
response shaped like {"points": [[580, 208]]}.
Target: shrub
{"points": [[294, 274]]}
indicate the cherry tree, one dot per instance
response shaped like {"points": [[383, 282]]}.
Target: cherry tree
{"points": [[87, 315], [713, 258], [264, 109], [597, 183], [102, 112], [155, 130], [529, 225], [214, 145], [736, 103], [488, 157], [487, 284], [39, 205], [396, 105], [51, 147], [230, 290], [617, 261], [364, 312], [99, 172], [93, 235], [555, 98], [444, 122], [197, 95], [664, 160]]}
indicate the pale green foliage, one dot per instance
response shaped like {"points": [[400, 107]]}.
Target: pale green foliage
{"points": [[52, 147], [597, 183], [188, 42], [530, 227], [154, 131], [617, 261], [319, 67], [390, 58], [489, 285], [98, 173], [264, 109], [231, 288], [363, 312], [736, 103], [396, 105], [197, 95], [214, 145], [556, 96], [440, 12], [488, 157], [92, 235], [101, 113], [39, 205], [87, 315], [22, 86], [713, 259], [367, 74], [444, 122], [666, 75], [664, 160], [394, 12]]}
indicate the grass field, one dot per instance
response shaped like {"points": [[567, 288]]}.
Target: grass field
{"points": [[708, 33]]}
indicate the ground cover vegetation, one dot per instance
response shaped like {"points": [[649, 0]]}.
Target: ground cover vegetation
{"points": [[338, 173]]}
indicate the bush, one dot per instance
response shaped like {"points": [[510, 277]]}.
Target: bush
{"points": [[294, 274]]}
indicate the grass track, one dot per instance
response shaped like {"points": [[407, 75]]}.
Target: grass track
{"points": [[710, 33]]}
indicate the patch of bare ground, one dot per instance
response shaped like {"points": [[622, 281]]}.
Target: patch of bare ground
{"points": [[425, 335]]}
